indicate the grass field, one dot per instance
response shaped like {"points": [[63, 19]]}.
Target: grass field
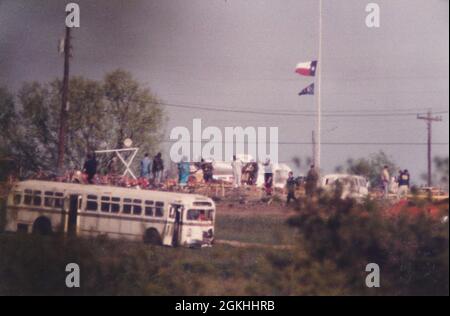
{"points": [[36, 265], [266, 229], [255, 265]]}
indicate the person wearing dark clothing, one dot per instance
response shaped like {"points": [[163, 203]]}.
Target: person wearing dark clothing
{"points": [[90, 168], [157, 168], [253, 172], [311, 181], [291, 184], [208, 171], [403, 184]]}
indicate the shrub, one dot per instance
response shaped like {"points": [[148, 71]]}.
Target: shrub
{"points": [[412, 251]]}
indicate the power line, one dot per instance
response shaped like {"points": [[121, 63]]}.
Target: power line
{"points": [[301, 114], [323, 143]]}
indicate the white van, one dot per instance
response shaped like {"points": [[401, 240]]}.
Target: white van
{"points": [[354, 186]]}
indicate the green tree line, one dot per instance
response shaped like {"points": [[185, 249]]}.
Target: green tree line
{"points": [[101, 115]]}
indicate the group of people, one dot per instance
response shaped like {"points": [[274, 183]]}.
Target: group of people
{"points": [[248, 173], [152, 169], [402, 181], [185, 172], [242, 173]]}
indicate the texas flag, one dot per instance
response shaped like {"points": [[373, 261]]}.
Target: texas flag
{"points": [[307, 69], [309, 90]]}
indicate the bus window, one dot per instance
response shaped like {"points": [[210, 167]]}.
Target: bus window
{"points": [[48, 199], [137, 207], [92, 203], [17, 198], [28, 197], [115, 205], [159, 210], [202, 204], [126, 206], [200, 215], [193, 215], [37, 199], [149, 208], [59, 200], [105, 205]]}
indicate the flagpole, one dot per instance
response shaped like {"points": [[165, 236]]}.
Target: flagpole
{"points": [[319, 96]]}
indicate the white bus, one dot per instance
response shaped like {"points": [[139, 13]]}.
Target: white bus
{"points": [[164, 218]]}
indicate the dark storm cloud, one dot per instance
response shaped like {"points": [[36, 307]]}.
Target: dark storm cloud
{"points": [[241, 54]]}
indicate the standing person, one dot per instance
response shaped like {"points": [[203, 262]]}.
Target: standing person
{"points": [[158, 168], [395, 183], [208, 171], [311, 181], [253, 172], [146, 166], [237, 171], [403, 184], [268, 176], [90, 168], [385, 179], [400, 173], [291, 184], [183, 171]]}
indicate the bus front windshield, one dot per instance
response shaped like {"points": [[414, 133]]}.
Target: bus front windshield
{"points": [[200, 215]]}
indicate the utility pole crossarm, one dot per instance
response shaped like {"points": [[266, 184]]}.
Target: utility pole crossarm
{"points": [[426, 118]]}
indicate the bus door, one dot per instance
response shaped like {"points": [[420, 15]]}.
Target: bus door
{"points": [[72, 219], [172, 231]]}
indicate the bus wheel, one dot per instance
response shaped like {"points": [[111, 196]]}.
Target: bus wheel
{"points": [[152, 237], [42, 226]]}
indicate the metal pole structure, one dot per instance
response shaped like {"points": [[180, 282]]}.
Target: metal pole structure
{"points": [[64, 105], [317, 155], [429, 120]]}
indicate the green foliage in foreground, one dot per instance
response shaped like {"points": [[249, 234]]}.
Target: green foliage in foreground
{"points": [[333, 244], [411, 250], [35, 265]]}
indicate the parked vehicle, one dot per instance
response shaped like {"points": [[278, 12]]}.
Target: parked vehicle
{"points": [[353, 186], [156, 217]]}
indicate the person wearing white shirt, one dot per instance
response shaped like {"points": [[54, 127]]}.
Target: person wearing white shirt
{"points": [[237, 171], [268, 176]]}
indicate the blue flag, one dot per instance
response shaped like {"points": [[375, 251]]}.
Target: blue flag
{"points": [[309, 90]]}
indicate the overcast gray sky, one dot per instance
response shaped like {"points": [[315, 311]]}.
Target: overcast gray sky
{"points": [[242, 54]]}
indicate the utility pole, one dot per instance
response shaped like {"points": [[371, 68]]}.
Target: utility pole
{"points": [[429, 120], [64, 104]]}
